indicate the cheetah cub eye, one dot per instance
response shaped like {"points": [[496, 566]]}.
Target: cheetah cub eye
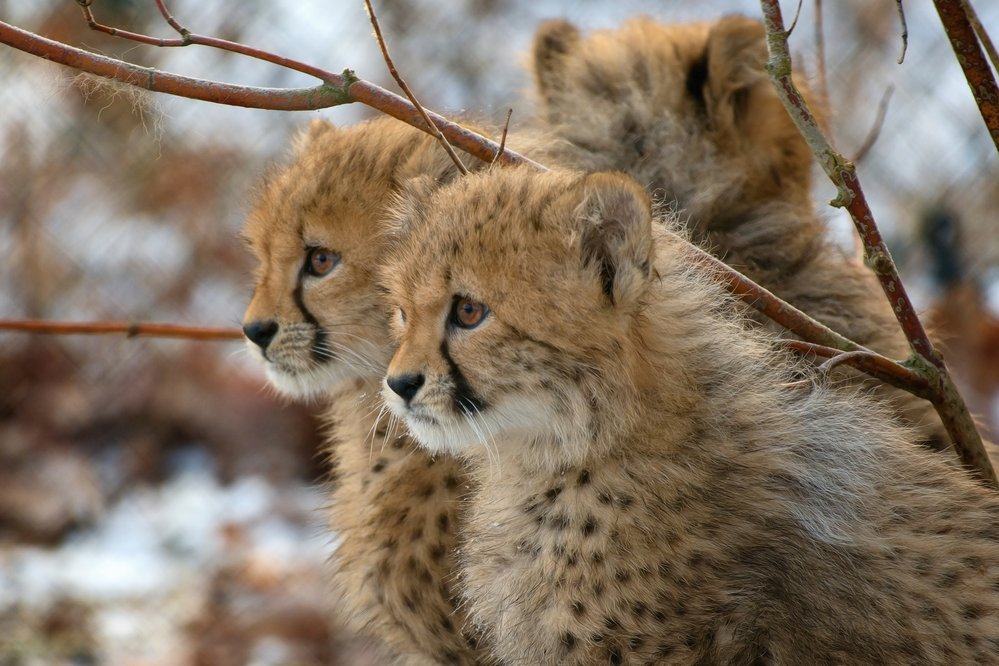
{"points": [[320, 261], [466, 313]]}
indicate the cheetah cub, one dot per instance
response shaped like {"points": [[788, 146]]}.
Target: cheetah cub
{"points": [[317, 323], [651, 486]]}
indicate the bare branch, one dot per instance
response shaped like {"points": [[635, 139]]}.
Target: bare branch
{"points": [[868, 362], [843, 174], [969, 54], [336, 89], [905, 32], [820, 55], [409, 93], [925, 360], [875, 131], [506, 129], [130, 329]]}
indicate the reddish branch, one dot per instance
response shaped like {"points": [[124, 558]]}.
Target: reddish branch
{"points": [[969, 53], [335, 90], [925, 361], [131, 329]]}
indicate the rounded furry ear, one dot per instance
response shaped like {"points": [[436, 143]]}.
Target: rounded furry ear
{"points": [[553, 42], [616, 237], [318, 128], [743, 106], [408, 203]]}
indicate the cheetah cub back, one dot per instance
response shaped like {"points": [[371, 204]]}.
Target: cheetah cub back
{"points": [[651, 486]]}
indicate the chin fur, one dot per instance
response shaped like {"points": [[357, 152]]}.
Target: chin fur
{"points": [[311, 384]]}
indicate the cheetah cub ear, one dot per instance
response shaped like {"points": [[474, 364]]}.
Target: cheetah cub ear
{"points": [[742, 105], [554, 42], [616, 235]]}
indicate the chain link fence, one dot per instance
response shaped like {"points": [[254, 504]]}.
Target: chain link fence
{"points": [[157, 504]]}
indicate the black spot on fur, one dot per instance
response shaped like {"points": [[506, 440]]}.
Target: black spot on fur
{"points": [[578, 609], [553, 493], [442, 522], [451, 482], [590, 526], [583, 478], [568, 641], [948, 579], [971, 612], [379, 466]]}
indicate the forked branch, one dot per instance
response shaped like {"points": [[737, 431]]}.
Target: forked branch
{"points": [[925, 361]]}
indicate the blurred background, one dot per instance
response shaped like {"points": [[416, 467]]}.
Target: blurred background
{"points": [[157, 504]]}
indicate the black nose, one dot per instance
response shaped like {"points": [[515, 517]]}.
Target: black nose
{"points": [[405, 386], [260, 332]]}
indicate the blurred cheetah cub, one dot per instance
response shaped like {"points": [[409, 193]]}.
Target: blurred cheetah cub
{"points": [[650, 486]]}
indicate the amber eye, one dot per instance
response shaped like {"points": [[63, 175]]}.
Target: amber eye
{"points": [[466, 313], [319, 261]]}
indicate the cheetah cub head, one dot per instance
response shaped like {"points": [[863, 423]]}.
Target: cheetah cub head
{"points": [[318, 229], [514, 294]]}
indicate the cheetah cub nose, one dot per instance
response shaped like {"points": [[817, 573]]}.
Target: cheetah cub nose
{"points": [[405, 386], [261, 332]]}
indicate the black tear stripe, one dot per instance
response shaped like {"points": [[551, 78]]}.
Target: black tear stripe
{"points": [[320, 352], [464, 397]]}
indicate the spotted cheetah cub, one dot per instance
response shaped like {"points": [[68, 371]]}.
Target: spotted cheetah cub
{"points": [[651, 486], [317, 323]]}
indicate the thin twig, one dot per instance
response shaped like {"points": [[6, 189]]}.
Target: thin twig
{"points": [[981, 80], [409, 93], [797, 14], [130, 329], [820, 55], [875, 131], [982, 34], [506, 129], [905, 32]]}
